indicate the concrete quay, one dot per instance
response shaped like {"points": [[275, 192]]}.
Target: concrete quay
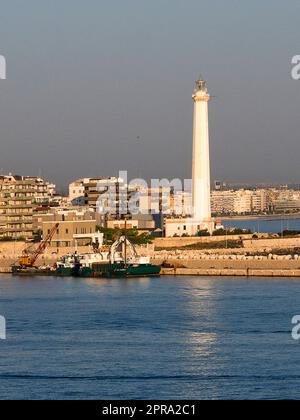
{"points": [[229, 272], [257, 258]]}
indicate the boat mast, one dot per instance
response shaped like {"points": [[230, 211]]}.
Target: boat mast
{"points": [[125, 250]]}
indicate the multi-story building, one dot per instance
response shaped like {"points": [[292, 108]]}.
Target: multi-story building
{"points": [[77, 191], [223, 202], [259, 201], [99, 187], [18, 197], [88, 192], [243, 202], [140, 222], [110, 196], [239, 202], [71, 233], [77, 227], [58, 214], [165, 200], [286, 201]]}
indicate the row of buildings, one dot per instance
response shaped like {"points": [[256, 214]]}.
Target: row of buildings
{"points": [[29, 207], [260, 201], [223, 202]]}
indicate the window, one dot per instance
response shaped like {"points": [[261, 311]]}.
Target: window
{"points": [[67, 231]]}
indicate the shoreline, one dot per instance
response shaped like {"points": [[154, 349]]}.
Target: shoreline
{"points": [[252, 258], [247, 273], [213, 272], [266, 217]]}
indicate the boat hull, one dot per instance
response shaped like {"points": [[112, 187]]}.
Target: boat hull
{"points": [[120, 270], [97, 270], [32, 271]]}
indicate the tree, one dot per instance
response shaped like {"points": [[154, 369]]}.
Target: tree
{"points": [[203, 232], [223, 232], [133, 235]]}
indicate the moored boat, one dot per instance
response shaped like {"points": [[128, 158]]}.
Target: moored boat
{"points": [[104, 262]]}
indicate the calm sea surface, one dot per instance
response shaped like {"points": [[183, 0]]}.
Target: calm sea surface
{"points": [[165, 338], [274, 225]]}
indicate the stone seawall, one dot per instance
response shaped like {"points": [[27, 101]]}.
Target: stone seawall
{"points": [[181, 242], [230, 265], [252, 260], [10, 252], [229, 272], [280, 243]]}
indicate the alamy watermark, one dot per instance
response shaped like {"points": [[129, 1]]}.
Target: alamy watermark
{"points": [[2, 67], [2, 328], [296, 67], [118, 196], [296, 329]]}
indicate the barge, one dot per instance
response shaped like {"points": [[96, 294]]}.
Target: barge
{"points": [[110, 262]]}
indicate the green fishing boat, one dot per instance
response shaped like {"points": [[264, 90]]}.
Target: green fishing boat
{"points": [[118, 270], [119, 261]]}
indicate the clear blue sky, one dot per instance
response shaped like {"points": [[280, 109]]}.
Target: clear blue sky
{"points": [[86, 78]]}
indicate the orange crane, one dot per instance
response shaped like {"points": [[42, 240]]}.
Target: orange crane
{"points": [[30, 257]]}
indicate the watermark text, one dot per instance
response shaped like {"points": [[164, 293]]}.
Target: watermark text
{"points": [[2, 67], [296, 67], [2, 328]]}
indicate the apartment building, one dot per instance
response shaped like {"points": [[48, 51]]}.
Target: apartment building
{"points": [[109, 196], [223, 202], [77, 191], [286, 201], [18, 197], [260, 201], [71, 233], [77, 226], [239, 202]]}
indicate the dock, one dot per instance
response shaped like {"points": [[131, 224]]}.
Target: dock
{"points": [[229, 272]]}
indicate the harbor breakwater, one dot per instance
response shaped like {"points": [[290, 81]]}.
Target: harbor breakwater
{"points": [[193, 263], [256, 257], [229, 272], [263, 256], [11, 251]]}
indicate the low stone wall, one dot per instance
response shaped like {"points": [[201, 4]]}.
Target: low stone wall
{"points": [[278, 243], [238, 256], [247, 264], [229, 272], [11, 251], [181, 242], [200, 262]]}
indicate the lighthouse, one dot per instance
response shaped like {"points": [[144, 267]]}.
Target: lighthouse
{"points": [[200, 218], [201, 158]]}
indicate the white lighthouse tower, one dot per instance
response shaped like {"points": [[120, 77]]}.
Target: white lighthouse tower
{"points": [[201, 210], [201, 158]]}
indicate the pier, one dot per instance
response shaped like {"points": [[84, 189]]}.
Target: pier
{"points": [[228, 272]]}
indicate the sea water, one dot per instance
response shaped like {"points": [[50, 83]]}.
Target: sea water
{"points": [[161, 338]]}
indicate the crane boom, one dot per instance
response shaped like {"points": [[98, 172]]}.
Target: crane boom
{"points": [[29, 261]]}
